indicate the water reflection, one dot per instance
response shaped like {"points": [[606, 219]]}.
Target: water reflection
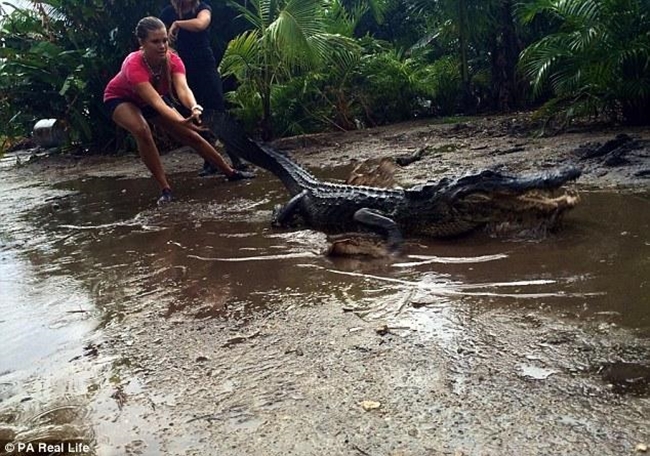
{"points": [[38, 314], [214, 251]]}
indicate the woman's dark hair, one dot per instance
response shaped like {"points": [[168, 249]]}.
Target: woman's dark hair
{"points": [[146, 25], [177, 5]]}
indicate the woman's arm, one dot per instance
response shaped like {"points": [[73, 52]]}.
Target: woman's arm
{"points": [[146, 91], [153, 99], [185, 94], [198, 24], [183, 91]]}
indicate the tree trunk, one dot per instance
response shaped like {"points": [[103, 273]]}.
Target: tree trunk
{"points": [[505, 55], [266, 125], [463, 40]]}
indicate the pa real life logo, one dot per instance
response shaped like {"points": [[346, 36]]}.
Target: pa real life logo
{"points": [[43, 447]]}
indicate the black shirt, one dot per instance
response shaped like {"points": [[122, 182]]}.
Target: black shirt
{"points": [[193, 47]]}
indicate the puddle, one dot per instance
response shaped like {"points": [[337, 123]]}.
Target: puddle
{"points": [[536, 373], [626, 377], [86, 255], [215, 245], [102, 245]]}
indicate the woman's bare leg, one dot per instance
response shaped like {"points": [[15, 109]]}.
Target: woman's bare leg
{"points": [[194, 140], [128, 116]]}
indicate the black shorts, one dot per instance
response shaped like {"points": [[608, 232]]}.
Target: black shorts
{"points": [[148, 112]]}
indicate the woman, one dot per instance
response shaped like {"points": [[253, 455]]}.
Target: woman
{"points": [[188, 25], [140, 92]]}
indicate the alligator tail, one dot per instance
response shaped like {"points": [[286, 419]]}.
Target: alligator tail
{"points": [[294, 177]]}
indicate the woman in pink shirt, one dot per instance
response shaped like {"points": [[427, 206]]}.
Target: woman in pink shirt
{"points": [[140, 93]]}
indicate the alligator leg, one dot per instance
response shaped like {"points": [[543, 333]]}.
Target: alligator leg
{"points": [[377, 222], [282, 215]]}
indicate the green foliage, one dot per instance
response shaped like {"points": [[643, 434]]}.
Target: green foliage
{"points": [[56, 58], [375, 87], [400, 25], [442, 83], [246, 105], [288, 38], [387, 87], [299, 107], [308, 65], [597, 61], [461, 22], [343, 85]]}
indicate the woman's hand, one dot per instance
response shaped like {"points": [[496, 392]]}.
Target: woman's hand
{"points": [[194, 118], [173, 32], [197, 111], [193, 122]]}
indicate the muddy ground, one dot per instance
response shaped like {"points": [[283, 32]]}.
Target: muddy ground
{"points": [[331, 377], [516, 144]]}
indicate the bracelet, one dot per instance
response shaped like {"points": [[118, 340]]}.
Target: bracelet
{"points": [[197, 107]]}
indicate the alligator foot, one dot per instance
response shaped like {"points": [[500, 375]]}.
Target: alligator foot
{"points": [[369, 245], [286, 215]]}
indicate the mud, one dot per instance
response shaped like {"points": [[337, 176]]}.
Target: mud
{"points": [[611, 157], [198, 329]]}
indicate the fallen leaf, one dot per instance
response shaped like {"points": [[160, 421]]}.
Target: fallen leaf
{"points": [[382, 330], [370, 405]]}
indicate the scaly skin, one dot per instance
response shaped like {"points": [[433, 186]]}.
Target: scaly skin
{"points": [[437, 209]]}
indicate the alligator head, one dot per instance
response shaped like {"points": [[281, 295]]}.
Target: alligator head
{"points": [[499, 202]]}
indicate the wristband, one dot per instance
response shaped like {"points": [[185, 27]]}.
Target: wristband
{"points": [[198, 107]]}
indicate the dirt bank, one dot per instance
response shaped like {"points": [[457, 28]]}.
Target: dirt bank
{"points": [[609, 156], [421, 369]]}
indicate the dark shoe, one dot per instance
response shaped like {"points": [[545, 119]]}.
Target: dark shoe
{"points": [[165, 198], [208, 170], [241, 166], [240, 175], [236, 161]]}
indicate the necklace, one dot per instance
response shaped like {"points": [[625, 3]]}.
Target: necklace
{"points": [[154, 74]]}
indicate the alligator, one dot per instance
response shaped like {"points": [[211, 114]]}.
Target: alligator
{"points": [[444, 208]]}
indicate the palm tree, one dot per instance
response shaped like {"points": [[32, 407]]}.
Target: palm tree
{"points": [[597, 60], [504, 55], [453, 18], [287, 37]]}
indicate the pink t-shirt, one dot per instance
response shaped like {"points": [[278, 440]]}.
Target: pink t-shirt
{"points": [[135, 71]]}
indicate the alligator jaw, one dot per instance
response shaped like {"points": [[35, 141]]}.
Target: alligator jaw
{"points": [[502, 203], [532, 213]]}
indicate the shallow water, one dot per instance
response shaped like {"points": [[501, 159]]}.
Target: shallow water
{"points": [[85, 254], [95, 242]]}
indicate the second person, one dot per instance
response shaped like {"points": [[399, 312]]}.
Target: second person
{"points": [[188, 23]]}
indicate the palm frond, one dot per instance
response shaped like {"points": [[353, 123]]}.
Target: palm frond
{"points": [[242, 55], [292, 28], [343, 20], [599, 55], [252, 15]]}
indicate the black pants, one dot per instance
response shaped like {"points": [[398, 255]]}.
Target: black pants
{"points": [[208, 117], [205, 81]]}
